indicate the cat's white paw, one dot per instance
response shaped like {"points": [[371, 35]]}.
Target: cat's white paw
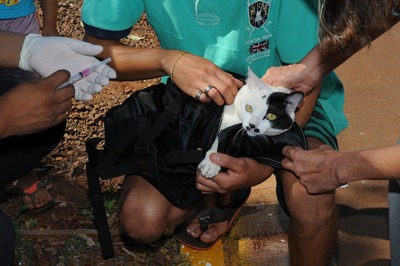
{"points": [[208, 169]]}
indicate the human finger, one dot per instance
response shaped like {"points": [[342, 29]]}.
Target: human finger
{"points": [[84, 89], [83, 48], [287, 164], [200, 96], [55, 80], [82, 95], [62, 112], [290, 151], [107, 71], [225, 88], [207, 185], [204, 189], [207, 92], [326, 147]]}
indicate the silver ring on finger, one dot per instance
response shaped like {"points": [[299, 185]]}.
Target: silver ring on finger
{"points": [[208, 88], [198, 95]]}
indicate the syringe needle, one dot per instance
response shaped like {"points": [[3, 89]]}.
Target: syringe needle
{"points": [[82, 74]]}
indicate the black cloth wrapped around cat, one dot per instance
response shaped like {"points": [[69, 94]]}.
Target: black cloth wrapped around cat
{"points": [[264, 149], [162, 134]]}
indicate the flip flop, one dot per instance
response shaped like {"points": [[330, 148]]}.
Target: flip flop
{"points": [[31, 193], [209, 216]]}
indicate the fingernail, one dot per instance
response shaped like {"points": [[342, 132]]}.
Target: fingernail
{"points": [[215, 157]]}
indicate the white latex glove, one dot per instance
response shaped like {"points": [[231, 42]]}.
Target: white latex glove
{"points": [[45, 55]]}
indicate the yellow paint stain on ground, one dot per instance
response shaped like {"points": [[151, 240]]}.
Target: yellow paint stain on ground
{"points": [[211, 257]]}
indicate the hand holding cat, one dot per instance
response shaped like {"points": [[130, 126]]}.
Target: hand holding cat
{"points": [[290, 76], [314, 168], [193, 74], [241, 173]]}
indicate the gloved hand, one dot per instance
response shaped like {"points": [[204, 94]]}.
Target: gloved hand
{"points": [[45, 55]]}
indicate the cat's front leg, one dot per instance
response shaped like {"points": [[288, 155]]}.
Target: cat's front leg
{"points": [[207, 168]]}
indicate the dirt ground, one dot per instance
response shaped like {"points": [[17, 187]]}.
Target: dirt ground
{"points": [[65, 235]]}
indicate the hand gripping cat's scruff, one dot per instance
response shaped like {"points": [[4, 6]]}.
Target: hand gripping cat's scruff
{"points": [[262, 110]]}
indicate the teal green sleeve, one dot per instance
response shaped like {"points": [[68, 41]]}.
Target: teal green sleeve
{"points": [[112, 15]]}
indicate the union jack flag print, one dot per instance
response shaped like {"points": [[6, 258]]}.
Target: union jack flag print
{"points": [[259, 47]]}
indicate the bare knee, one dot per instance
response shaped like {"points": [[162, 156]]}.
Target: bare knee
{"points": [[142, 226], [142, 210]]}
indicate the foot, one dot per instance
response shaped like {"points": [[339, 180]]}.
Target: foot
{"points": [[203, 225], [211, 234], [35, 197], [34, 192], [210, 223]]}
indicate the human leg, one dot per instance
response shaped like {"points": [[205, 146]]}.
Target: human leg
{"points": [[394, 221], [211, 219], [313, 221], [20, 154], [8, 238], [145, 214], [313, 224]]}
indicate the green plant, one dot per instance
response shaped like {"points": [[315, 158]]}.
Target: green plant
{"points": [[111, 205], [24, 251], [31, 224], [72, 251], [110, 200]]}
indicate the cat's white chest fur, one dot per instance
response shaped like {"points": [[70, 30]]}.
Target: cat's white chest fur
{"points": [[229, 118], [251, 110]]}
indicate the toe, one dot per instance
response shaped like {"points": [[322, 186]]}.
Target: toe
{"points": [[213, 232]]}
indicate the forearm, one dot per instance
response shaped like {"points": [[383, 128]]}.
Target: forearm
{"points": [[318, 63], [264, 172], [50, 8], [10, 57], [133, 63], [307, 107], [376, 164]]}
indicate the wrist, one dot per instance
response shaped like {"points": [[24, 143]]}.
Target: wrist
{"points": [[29, 46], [350, 167], [170, 60], [314, 66]]}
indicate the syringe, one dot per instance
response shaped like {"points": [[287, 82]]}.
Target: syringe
{"points": [[84, 73]]}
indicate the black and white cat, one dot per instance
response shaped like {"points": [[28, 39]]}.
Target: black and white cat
{"points": [[261, 109]]}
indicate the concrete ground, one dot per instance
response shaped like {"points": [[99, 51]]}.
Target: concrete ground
{"points": [[372, 85]]}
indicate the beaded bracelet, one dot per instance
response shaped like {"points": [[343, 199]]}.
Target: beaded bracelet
{"points": [[174, 64]]}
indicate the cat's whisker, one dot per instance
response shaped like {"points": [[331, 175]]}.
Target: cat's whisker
{"points": [[266, 140], [240, 132]]}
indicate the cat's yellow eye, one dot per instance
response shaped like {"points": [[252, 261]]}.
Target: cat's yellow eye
{"points": [[271, 116], [249, 108]]}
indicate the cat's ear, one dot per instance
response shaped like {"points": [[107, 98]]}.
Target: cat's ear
{"points": [[253, 81], [293, 100]]}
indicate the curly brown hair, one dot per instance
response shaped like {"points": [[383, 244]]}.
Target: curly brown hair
{"points": [[352, 22]]}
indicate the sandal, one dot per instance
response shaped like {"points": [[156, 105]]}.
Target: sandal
{"points": [[31, 193], [209, 216]]}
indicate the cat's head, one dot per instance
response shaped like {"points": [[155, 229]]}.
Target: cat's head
{"points": [[264, 109]]}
